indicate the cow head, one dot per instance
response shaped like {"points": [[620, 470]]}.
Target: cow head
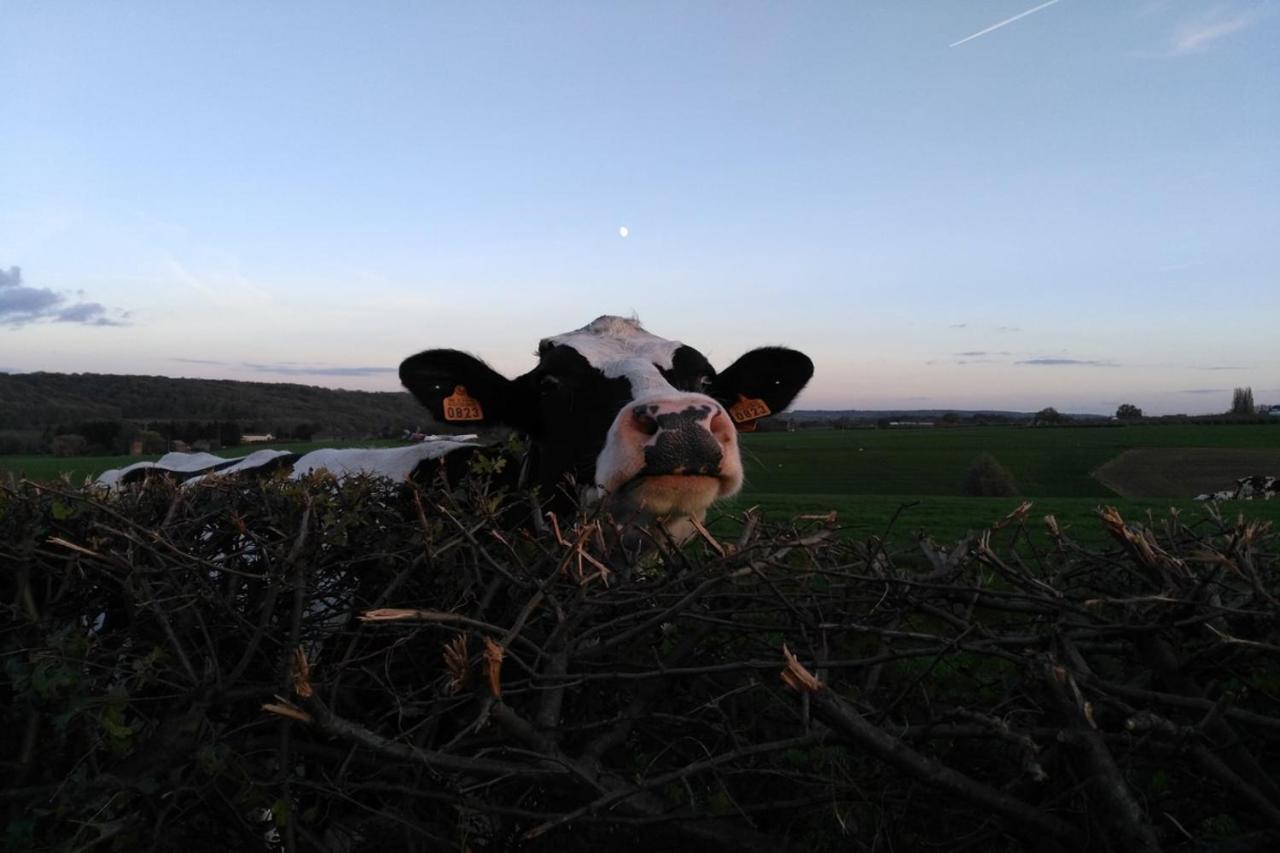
{"points": [[635, 422]]}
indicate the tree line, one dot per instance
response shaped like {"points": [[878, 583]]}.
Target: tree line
{"points": [[109, 411]]}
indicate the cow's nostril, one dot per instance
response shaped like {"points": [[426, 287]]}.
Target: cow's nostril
{"points": [[645, 422], [722, 428]]}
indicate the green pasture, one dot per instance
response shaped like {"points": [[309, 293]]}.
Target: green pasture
{"points": [[947, 518], [869, 476], [1045, 461]]}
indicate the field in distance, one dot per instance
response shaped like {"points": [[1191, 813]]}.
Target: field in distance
{"points": [[868, 476], [1044, 461]]}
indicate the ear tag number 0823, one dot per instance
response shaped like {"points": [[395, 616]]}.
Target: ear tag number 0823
{"points": [[747, 411], [460, 406]]}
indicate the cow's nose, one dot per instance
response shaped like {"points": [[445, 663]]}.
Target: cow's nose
{"points": [[681, 437]]}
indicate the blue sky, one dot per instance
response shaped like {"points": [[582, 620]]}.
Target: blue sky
{"points": [[1079, 208]]}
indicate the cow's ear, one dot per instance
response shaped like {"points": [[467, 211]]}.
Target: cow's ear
{"points": [[772, 374], [458, 389]]}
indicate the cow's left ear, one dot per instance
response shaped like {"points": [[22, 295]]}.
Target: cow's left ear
{"points": [[458, 388], [772, 374]]}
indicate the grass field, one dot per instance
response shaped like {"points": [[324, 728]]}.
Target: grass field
{"points": [[867, 476], [1045, 461], [1164, 472], [948, 518]]}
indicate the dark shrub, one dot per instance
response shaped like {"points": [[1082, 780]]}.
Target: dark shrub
{"points": [[68, 445], [987, 478]]}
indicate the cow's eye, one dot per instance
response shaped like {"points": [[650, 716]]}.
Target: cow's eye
{"points": [[548, 384], [703, 383]]}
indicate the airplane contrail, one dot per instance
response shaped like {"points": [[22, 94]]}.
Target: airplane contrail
{"points": [[1003, 23]]}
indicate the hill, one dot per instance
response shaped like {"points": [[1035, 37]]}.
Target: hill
{"points": [[928, 414], [38, 402]]}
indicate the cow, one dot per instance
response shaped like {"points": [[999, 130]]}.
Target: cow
{"points": [[616, 418], [1257, 487]]}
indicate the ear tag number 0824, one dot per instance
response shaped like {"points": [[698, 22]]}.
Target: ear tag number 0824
{"points": [[460, 406]]}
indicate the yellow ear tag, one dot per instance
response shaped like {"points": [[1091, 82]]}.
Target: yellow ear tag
{"points": [[460, 406], [746, 412]]}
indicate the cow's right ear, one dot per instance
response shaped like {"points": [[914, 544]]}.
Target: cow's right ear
{"points": [[460, 389]]}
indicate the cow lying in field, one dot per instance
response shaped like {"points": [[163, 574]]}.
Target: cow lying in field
{"points": [[1256, 488], [616, 418]]}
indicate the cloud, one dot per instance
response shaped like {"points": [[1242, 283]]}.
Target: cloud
{"points": [[977, 353], [21, 305], [1007, 329], [1216, 367], [291, 369], [1202, 32], [1056, 362], [958, 326], [1203, 391]]}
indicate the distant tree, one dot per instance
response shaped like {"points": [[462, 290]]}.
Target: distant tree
{"points": [[1242, 402], [229, 433], [152, 441], [68, 444], [103, 436], [951, 418], [986, 477], [21, 441], [1128, 411], [1049, 415]]}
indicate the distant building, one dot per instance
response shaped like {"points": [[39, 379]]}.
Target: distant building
{"points": [[256, 439], [1271, 410]]}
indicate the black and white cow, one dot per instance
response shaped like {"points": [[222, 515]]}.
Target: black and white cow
{"points": [[1254, 488], [617, 418]]}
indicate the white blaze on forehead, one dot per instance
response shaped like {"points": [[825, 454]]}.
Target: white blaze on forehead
{"points": [[619, 347]]}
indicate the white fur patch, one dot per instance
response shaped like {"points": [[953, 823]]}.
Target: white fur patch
{"points": [[619, 347]]}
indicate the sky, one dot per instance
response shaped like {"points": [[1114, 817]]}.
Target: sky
{"points": [[1002, 204]]}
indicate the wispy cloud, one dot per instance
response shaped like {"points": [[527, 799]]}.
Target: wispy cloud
{"points": [[1058, 362], [958, 326], [1203, 391], [1200, 33], [1008, 329], [977, 353], [1006, 22], [221, 288], [21, 305], [291, 368], [1218, 367]]}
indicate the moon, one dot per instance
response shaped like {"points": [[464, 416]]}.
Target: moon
{"points": [[624, 231]]}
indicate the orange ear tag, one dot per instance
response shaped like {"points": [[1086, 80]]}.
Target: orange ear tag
{"points": [[460, 406], [746, 412]]}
